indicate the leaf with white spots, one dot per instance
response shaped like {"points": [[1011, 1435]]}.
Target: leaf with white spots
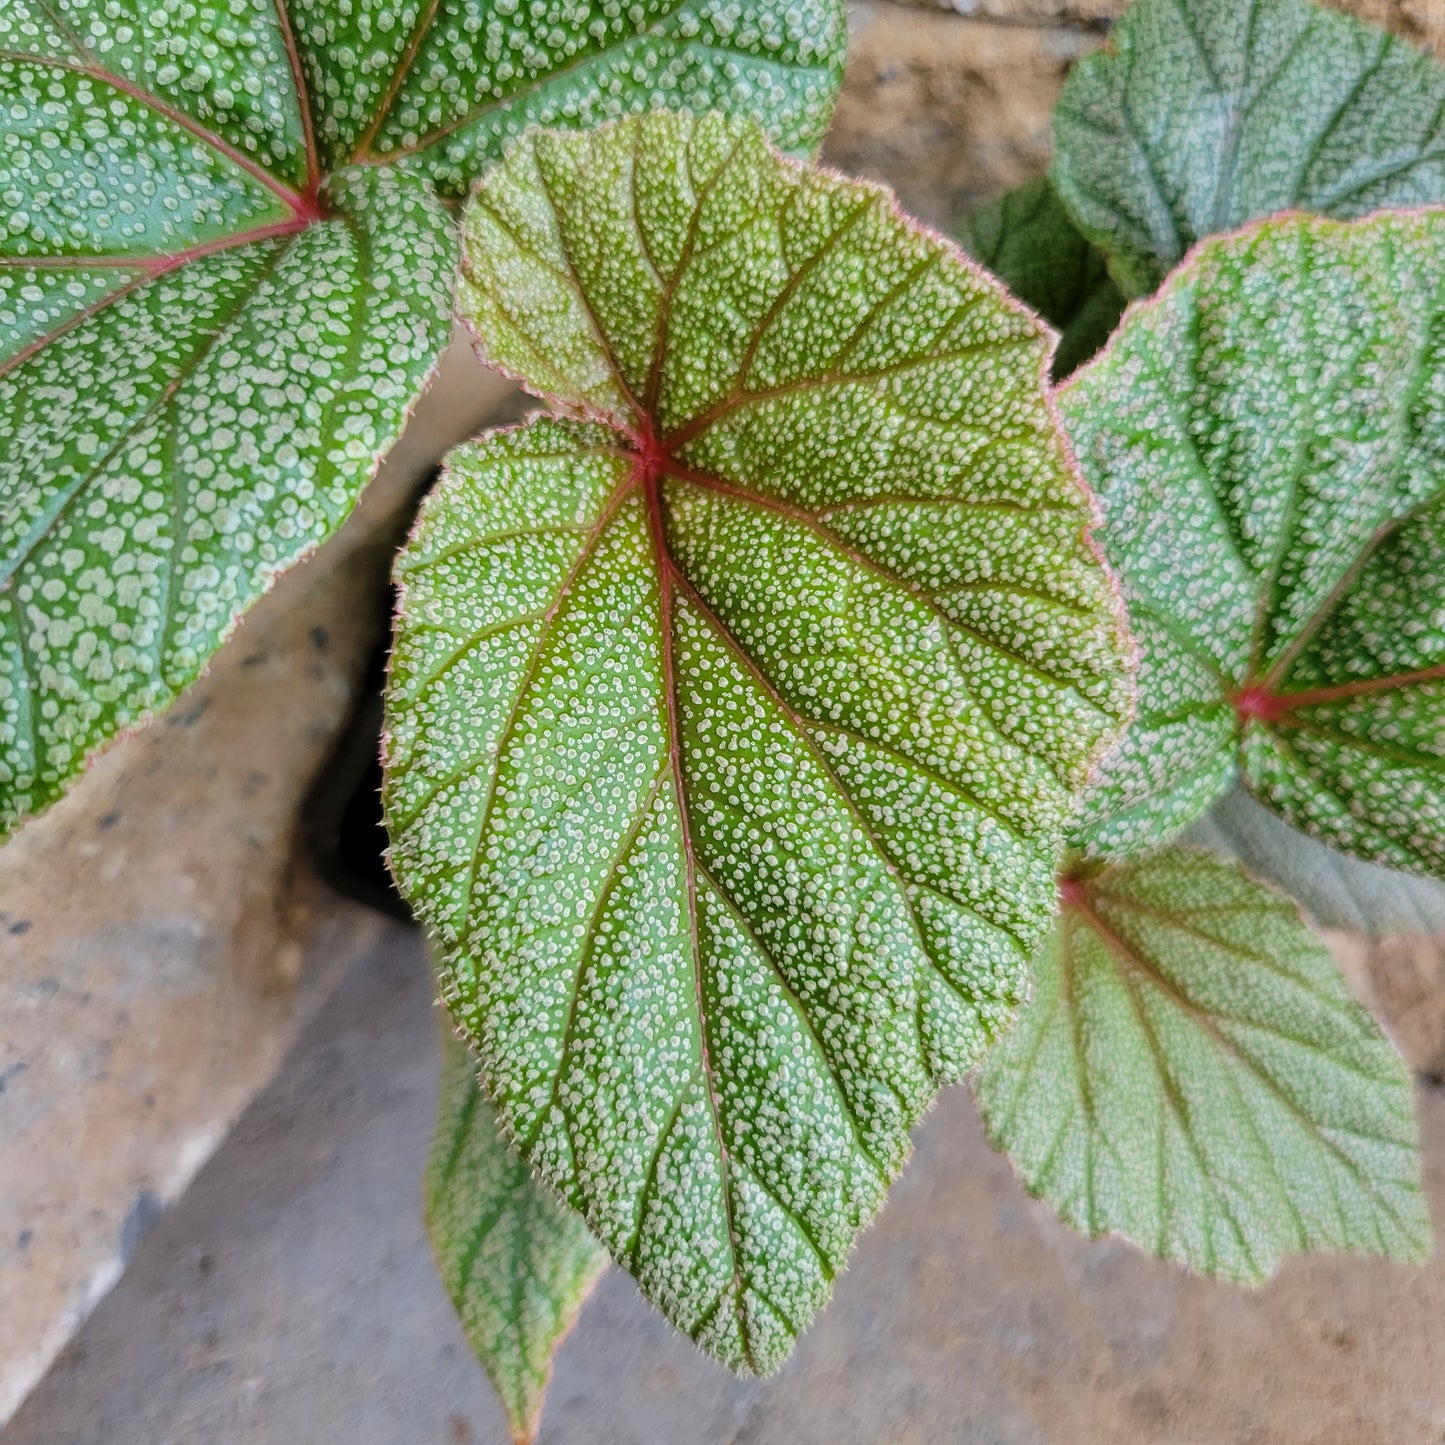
{"points": [[1029, 241], [1192, 1073], [732, 734], [517, 1264], [1202, 115], [1267, 442], [167, 447], [225, 275]]}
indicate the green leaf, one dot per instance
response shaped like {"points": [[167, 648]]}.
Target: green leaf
{"points": [[1205, 114], [1029, 241], [517, 1264], [1267, 441], [224, 276], [1193, 1074], [732, 736], [1333, 889], [442, 88]]}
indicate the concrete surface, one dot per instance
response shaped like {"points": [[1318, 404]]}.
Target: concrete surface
{"points": [[290, 1299]]}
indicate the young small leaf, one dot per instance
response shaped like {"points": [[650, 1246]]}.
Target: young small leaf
{"points": [[1205, 114], [1193, 1074], [1267, 441], [1030, 242], [731, 741], [1333, 889], [224, 275], [517, 1264]]}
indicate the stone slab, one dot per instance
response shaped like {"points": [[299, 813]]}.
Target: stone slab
{"points": [[1095, 13]]}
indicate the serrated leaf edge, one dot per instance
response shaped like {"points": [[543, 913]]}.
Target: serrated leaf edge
{"points": [[1423, 1245]]}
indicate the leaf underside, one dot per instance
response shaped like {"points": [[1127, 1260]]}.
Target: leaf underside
{"points": [[1029, 241], [1267, 441], [1333, 889], [225, 274], [1191, 1073], [517, 1264], [1206, 114], [731, 736]]}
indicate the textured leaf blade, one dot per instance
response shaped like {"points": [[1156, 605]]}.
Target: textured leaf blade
{"points": [[89, 140], [1030, 242], [209, 325], [517, 1264], [1359, 757], [442, 88], [1333, 889], [1206, 114], [1193, 1074], [1265, 440], [168, 451], [300, 88], [733, 825]]}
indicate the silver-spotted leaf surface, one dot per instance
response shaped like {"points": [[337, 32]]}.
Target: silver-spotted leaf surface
{"points": [[732, 734], [442, 86], [1192, 1073], [1267, 442], [173, 442], [1333, 889], [224, 275], [1030, 242], [517, 1264], [1205, 114]]}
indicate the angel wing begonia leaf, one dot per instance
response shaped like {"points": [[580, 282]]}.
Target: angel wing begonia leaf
{"points": [[517, 1263], [224, 275], [1193, 1074], [1205, 114], [1030, 242], [1267, 441], [732, 734]]}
